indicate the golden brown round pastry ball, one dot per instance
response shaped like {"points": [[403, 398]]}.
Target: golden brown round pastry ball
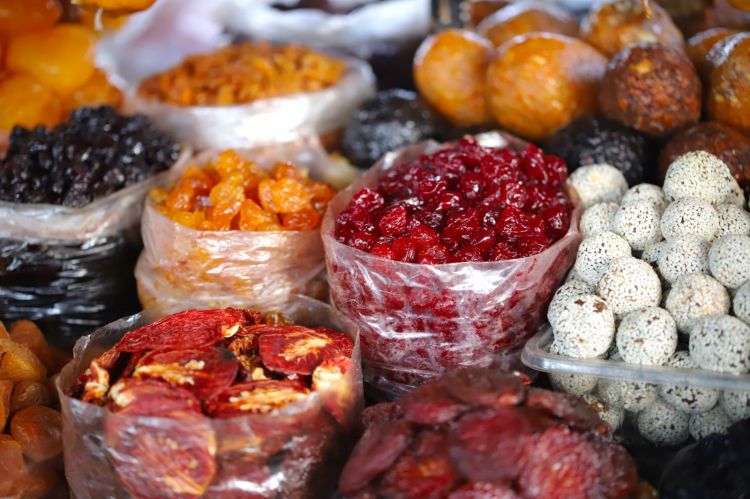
{"points": [[652, 88], [540, 82], [719, 139], [728, 95], [526, 17], [612, 25], [699, 45], [449, 71]]}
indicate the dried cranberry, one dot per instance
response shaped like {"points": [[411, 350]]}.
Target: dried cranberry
{"points": [[362, 241], [505, 250], [518, 223], [404, 249], [556, 221], [394, 221], [472, 185], [469, 254], [513, 194], [383, 250], [434, 254]]}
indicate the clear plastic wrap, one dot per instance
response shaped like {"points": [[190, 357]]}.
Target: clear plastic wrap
{"points": [[418, 320], [70, 269], [210, 269], [296, 451], [268, 121]]}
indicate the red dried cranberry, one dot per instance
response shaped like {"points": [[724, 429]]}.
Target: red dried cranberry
{"points": [[383, 250], [433, 254], [424, 236], [472, 185], [505, 250], [449, 201], [362, 241], [469, 254], [513, 194], [529, 246], [516, 223], [556, 221], [394, 221], [404, 249]]}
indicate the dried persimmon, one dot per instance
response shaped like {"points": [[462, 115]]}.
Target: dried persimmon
{"points": [[255, 397], [299, 350]]}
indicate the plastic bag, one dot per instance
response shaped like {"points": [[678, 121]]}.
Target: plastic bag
{"points": [[296, 451], [268, 121], [210, 269], [418, 320], [71, 269]]}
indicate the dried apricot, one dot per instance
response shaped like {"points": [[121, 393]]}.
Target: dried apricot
{"points": [[19, 363], [253, 217], [39, 431], [174, 458], [38, 481], [26, 102], [285, 195], [18, 16], [255, 397], [54, 359], [61, 58], [95, 91], [4, 335], [11, 465], [6, 391], [299, 350], [148, 397], [204, 372], [306, 219], [27, 394], [27, 333]]}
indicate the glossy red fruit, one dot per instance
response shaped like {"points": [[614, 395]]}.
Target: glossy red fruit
{"points": [[394, 221], [299, 350], [376, 451], [147, 397], [255, 397], [573, 410], [431, 404], [204, 372], [484, 490], [485, 387]]}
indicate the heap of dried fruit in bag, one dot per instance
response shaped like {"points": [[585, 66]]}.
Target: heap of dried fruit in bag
{"points": [[463, 203], [479, 432], [243, 73], [200, 369], [30, 428], [233, 193]]}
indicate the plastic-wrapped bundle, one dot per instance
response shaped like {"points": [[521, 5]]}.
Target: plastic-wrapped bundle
{"points": [[293, 451], [417, 320], [207, 269]]}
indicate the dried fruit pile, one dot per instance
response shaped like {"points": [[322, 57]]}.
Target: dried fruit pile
{"points": [[243, 73], [33, 441], [48, 66], [221, 380], [656, 262], [96, 152], [479, 432], [233, 193], [463, 203]]}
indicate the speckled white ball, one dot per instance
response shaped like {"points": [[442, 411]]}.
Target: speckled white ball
{"points": [[701, 175], [721, 343], [595, 253], [577, 384], [612, 415], [598, 219], [647, 337], [629, 284], [707, 423], [570, 289], [690, 399], [741, 303], [609, 392], [736, 404], [646, 192], [683, 256], [652, 252], [584, 328], [662, 424], [729, 260], [636, 396], [732, 220], [695, 296], [599, 183], [638, 223], [690, 217]]}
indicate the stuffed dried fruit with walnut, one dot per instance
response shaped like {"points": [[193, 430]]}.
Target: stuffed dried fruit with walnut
{"points": [[444, 255], [237, 399], [479, 432], [30, 425], [233, 193]]}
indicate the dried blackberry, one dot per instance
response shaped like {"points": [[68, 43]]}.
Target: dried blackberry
{"points": [[390, 120], [94, 153], [589, 141], [715, 466]]}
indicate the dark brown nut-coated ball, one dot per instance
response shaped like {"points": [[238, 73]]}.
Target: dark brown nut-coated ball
{"points": [[540, 82], [612, 25], [699, 46], [652, 88], [449, 71], [728, 95], [526, 17], [719, 139]]}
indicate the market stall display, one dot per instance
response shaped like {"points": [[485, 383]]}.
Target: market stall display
{"points": [[30, 424], [211, 403], [71, 199]]}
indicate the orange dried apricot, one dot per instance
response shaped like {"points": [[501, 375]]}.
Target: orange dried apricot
{"points": [[61, 58], [4, 335], [285, 195], [11, 465], [253, 217], [301, 220], [6, 392], [116, 5], [19, 363], [97, 90], [38, 481], [39, 431], [27, 102], [27, 394], [27, 333], [17, 16]]}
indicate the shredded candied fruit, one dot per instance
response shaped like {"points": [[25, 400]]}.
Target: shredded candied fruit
{"points": [[233, 193], [244, 73]]}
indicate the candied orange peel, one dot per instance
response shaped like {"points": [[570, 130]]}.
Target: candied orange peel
{"points": [[243, 73], [233, 193]]}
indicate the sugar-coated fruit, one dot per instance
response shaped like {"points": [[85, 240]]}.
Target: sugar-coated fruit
{"points": [[527, 16], [682, 256], [577, 384], [629, 284], [729, 260], [699, 45], [662, 424], [693, 297], [595, 254], [647, 336], [584, 328], [701, 175], [721, 343], [598, 218], [646, 192], [710, 422], [736, 404], [639, 223], [598, 184], [690, 217], [610, 414], [732, 220], [570, 289], [741, 303], [687, 398]]}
